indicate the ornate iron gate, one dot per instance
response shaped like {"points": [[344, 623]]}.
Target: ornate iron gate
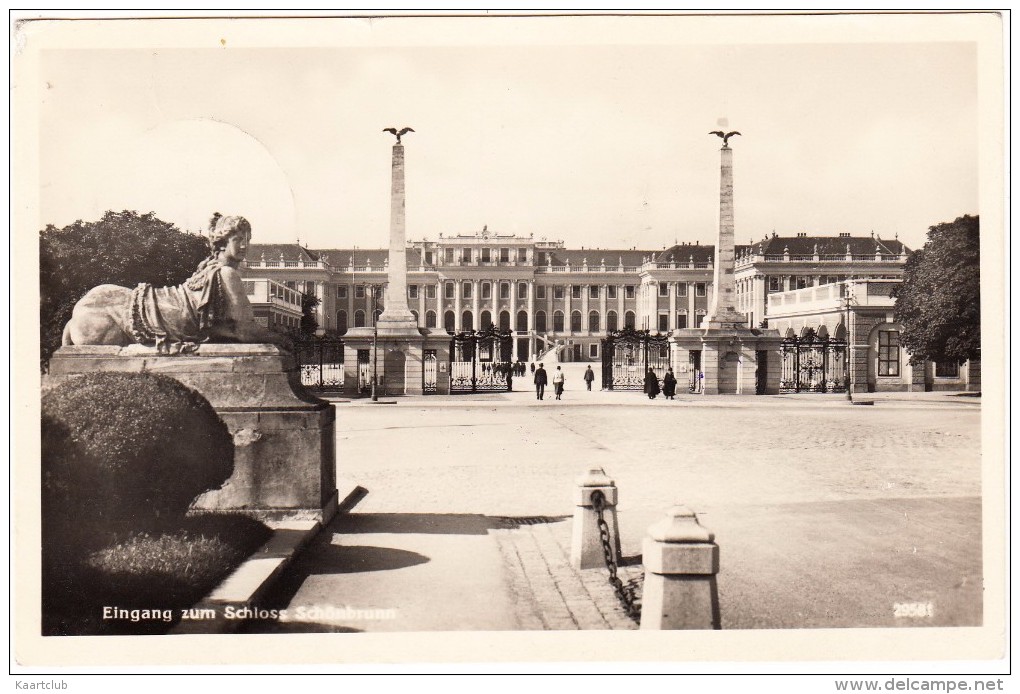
{"points": [[694, 372], [481, 361], [628, 354], [429, 372], [321, 363], [813, 364], [364, 370]]}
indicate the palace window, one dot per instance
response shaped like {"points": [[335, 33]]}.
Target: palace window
{"points": [[359, 292], [700, 289], [888, 353], [663, 289], [611, 291], [540, 260], [681, 320], [341, 321], [504, 290], [359, 319], [486, 321], [593, 350], [522, 255], [465, 255], [681, 289], [522, 321], [947, 369], [540, 291], [449, 321], [575, 291], [430, 292], [430, 319], [412, 291], [611, 324], [522, 290], [558, 322], [467, 321], [802, 282], [504, 255], [430, 258], [341, 291], [448, 290], [486, 290], [575, 321], [540, 322], [663, 322], [629, 291], [628, 320], [466, 294], [593, 291], [448, 256], [558, 292], [486, 255], [775, 284]]}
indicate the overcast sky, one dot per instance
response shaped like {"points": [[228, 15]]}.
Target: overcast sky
{"points": [[602, 143]]}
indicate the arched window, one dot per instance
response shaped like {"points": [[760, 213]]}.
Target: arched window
{"points": [[430, 319], [359, 319], [593, 322], [575, 322], [486, 321], [628, 320], [611, 324], [540, 322], [558, 322], [467, 321], [504, 320], [522, 321], [341, 322], [450, 322]]}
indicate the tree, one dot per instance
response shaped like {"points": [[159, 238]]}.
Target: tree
{"points": [[939, 302], [122, 248], [308, 322]]}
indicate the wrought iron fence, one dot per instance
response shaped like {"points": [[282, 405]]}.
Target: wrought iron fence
{"points": [[628, 354], [320, 363], [813, 364], [481, 361]]}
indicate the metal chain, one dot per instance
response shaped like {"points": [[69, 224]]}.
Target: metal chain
{"points": [[625, 594]]}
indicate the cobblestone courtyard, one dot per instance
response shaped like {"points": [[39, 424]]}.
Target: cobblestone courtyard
{"points": [[826, 515]]}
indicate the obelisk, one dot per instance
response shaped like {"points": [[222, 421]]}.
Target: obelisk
{"points": [[396, 316], [723, 312]]}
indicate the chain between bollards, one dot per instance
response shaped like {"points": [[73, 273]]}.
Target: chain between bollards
{"points": [[626, 595]]}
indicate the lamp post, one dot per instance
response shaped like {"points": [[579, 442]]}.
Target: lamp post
{"points": [[849, 345]]}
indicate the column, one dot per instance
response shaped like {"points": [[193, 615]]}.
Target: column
{"points": [[567, 308], [513, 317], [458, 320], [421, 305], [672, 306], [584, 307], [692, 318], [531, 306], [350, 304], [476, 303], [621, 294], [603, 314]]}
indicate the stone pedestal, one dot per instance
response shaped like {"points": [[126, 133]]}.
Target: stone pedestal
{"points": [[284, 437], [586, 551], [400, 359], [730, 357], [681, 561]]}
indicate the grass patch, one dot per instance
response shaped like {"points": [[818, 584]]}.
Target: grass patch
{"points": [[157, 572]]}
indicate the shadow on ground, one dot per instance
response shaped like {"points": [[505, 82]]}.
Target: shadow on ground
{"points": [[432, 523]]}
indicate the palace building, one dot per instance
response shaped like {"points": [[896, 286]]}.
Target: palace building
{"points": [[550, 296]]}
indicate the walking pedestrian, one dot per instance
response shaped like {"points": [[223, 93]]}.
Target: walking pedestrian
{"points": [[651, 384], [589, 376], [558, 380], [669, 385], [541, 379]]}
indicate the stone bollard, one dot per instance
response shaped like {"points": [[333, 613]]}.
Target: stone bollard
{"points": [[586, 546], [681, 562]]}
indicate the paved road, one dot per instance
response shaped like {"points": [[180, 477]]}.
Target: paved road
{"points": [[827, 515]]}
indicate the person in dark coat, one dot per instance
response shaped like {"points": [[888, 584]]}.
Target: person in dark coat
{"points": [[589, 376], [669, 385], [541, 380], [651, 384]]}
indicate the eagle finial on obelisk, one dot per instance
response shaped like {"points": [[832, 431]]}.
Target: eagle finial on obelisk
{"points": [[400, 133]]}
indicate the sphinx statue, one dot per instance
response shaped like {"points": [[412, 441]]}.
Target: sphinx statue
{"points": [[211, 306]]}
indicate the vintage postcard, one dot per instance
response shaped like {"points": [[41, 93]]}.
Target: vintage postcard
{"points": [[479, 339]]}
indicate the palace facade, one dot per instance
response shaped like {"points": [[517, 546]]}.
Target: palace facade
{"points": [[549, 295]]}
